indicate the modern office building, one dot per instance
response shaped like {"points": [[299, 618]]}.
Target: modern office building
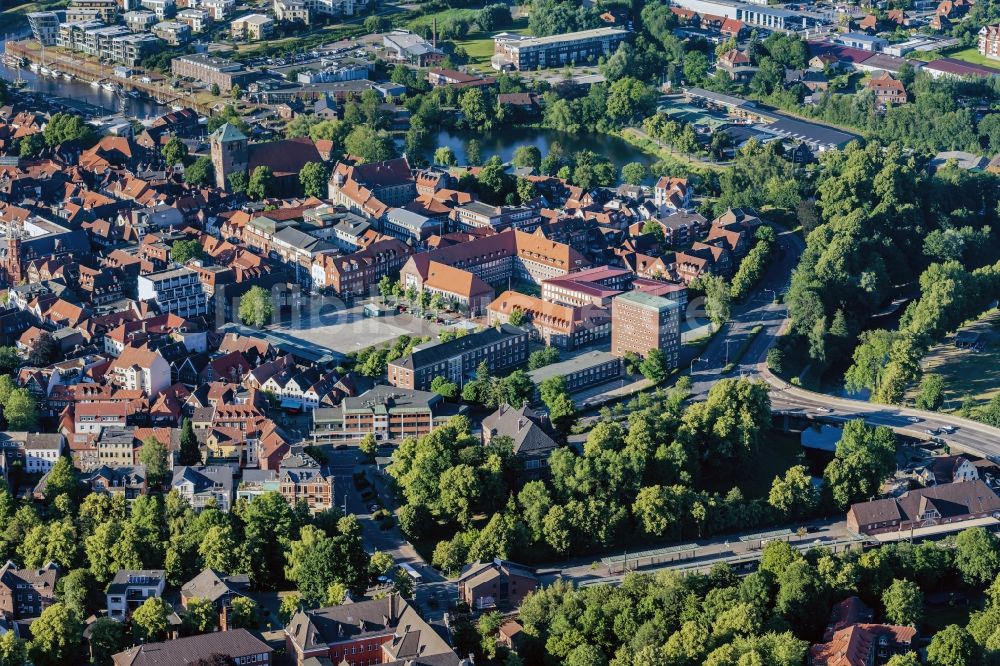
{"points": [[519, 52], [641, 322]]}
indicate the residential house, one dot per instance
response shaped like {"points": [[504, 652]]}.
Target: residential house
{"points": [[218, 588], [130, 481], [204, 486], [140, 369], [887, 90], [129, 589], [380, 631], [25, 593], [42, 451], [490, 584], [237, 646], [530, 433]]}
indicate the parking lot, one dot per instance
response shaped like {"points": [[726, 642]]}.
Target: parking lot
{"points": [[348, 330]]}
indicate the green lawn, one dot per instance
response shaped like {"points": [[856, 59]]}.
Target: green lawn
{"points": [[443, 16], [968, 372], [972, 55], [479, 45]]}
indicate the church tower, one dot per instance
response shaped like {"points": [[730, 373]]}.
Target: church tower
{"points": [[12, 263], [229, 153]]}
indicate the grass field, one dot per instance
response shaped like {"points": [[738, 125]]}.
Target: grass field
{"points": [[479, 45], [972, 55], [968, 372]]}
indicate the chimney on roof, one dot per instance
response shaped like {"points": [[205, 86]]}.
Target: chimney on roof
{"points": [[394, 607]]}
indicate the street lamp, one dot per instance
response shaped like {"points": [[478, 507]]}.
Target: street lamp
{"points": [[728, 340]]}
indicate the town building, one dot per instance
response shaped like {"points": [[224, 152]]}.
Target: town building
{"points": [[163, 9], [476, 216], [358, 273], [293, 10], [593, 286], [456, 79], [205, 486], [45, 26], [490, 584], [371, 189], [530, 433], [581, 372], [407, 47], [129, 589], [253, 27], [498, 258], [42, 451], [196, 19], [949, 503], [499, 348], [563, 326], [989, 41], [237, 646], [140, 20], [887, 90], [523, 53], [177, 291], [218, 588], [641, 322], [409, 227], [381, 631], [388, 413], [211, 70], [25, 593]]}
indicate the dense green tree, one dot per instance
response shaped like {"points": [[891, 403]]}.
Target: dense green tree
{"points": [[190, 451], [182, 251], [261, 183], [313, 178], [904, 603], [255, 307], [175, 152], [55, 636], [952, 646], [794, 494], [150, 621], [107, 637], [977, 555], [445, 156], [633, 173], [369, 144], [931, 392], [864, 457], [238, 182], [200, 173], [66, 127], [200, 616], [155, 456], [21, 410], [654, 366]]}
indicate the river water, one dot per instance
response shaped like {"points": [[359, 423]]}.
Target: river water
{"points": [[139, 109]]}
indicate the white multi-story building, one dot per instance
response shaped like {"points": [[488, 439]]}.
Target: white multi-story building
{"points": [[163, 9], [217, 9], [140, 370], [45, 26], [196, 19], [130, 589], [178, 291], [41, 451]]}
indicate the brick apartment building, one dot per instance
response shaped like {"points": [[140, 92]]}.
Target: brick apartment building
{"points": [[357, 273], [25, 593], [592, 286], [500, 348], [641, 321], [380, 631], [563, 326]]}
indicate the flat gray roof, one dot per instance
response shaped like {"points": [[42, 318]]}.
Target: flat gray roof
{"points": [[569, 366]]}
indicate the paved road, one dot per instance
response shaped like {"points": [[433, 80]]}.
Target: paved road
{"points": [[759, 309]]}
